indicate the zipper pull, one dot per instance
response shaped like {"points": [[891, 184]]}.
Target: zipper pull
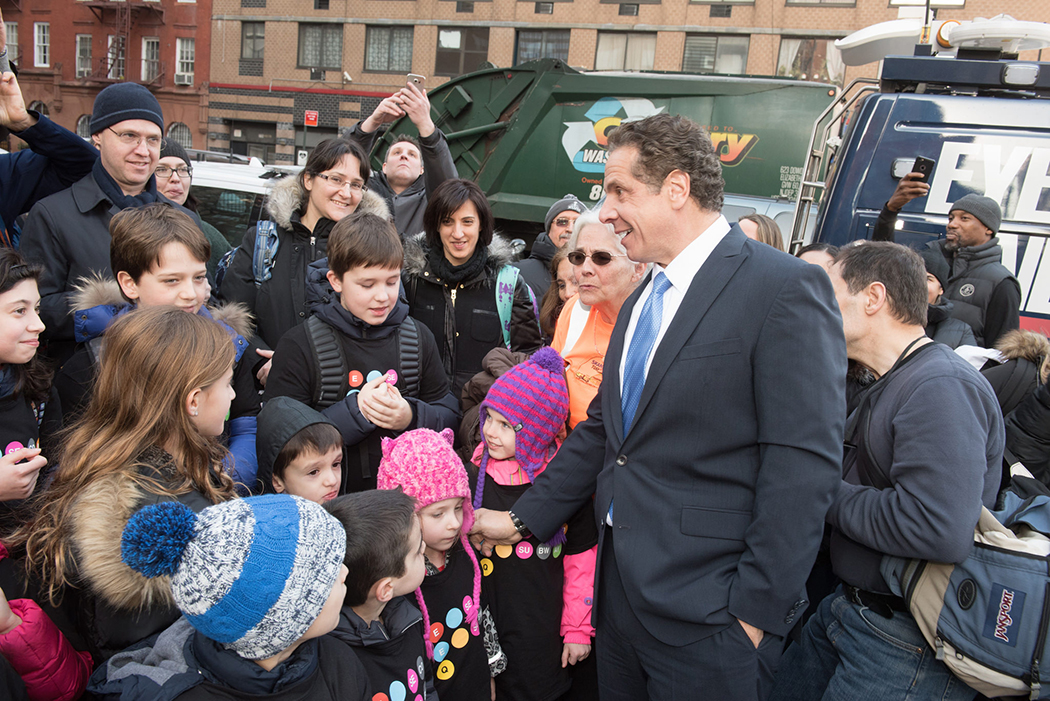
{"points": [[1035, 686], [940, 648], [313, 239], [452, 292]]}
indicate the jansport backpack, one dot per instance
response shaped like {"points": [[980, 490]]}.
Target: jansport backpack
{"points": [[987, 618]]}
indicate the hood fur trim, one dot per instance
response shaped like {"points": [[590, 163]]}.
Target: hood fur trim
{"points": [[99, 517], [96, 291], [286, 194], [236, 316], [1030, 345], [500, 253]]}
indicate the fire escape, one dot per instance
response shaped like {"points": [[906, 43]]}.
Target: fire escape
{"points": [[119, 16]]}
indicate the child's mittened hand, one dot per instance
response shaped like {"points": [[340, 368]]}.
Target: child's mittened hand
{"points": [[573, 653], [18, 478]]}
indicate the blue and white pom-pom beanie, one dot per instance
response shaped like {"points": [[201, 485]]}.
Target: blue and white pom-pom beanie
{"points": [[252, 574]]}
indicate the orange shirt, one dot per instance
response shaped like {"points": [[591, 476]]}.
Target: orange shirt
{"points": [[585, 358]]}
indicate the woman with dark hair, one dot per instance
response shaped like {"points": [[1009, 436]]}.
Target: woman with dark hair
{"points": [[563, 287], [174, 171], [303, 210], [458, 286], [29, 408]]}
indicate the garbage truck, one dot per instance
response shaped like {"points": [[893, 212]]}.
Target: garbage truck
{"points": [[530, 134], [964, 101]]}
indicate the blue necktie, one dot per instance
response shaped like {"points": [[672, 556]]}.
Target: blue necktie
{"points": [[641, 348]]}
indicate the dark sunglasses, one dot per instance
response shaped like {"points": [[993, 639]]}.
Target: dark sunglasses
{"points": [[599, 257]]}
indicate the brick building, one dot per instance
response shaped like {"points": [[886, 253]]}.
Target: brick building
{"points": [[69, 50], [272, 60]]}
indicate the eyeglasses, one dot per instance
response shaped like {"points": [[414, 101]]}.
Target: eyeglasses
{"points": [[339, 182], [564, 221], [599, 257], [130, 138], [164, 172]]}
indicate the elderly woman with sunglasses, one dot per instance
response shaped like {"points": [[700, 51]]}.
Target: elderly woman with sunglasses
{"points": [[605, 277]]}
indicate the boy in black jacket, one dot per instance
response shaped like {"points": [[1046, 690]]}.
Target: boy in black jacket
{"points": [[384, 555], [360, 359]]}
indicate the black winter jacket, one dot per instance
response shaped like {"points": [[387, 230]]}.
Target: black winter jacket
{"points": [[1028, 433], [280, 303], [536, 269], [941, 327], [468, 325], [68, 233], [408, 207]]}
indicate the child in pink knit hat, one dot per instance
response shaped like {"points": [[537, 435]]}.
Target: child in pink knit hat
{"points": [[541, 592], [461, 637]]}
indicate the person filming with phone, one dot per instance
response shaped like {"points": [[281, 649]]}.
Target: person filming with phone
{"points": [[412, 168], [982, 291]]}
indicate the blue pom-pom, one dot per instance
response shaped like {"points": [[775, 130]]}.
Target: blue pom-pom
{"points": [[548, 359], [155, 538]]}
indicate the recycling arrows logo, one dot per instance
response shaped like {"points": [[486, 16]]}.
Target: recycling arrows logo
{"points": [[585, 142]]}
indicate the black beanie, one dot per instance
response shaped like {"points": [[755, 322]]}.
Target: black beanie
{"points": [[171, 147], [123, 101], [936, 265]]}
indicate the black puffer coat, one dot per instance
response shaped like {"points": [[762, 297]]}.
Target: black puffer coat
{"points": [[467, 325]]}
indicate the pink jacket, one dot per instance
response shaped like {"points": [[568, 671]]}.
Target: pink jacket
{"points": [[578, 589], [49, 666]]}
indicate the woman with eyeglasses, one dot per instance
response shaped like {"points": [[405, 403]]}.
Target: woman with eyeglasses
{"points": [[303, 209], [605, 278], [452, 277], [174, 171]]}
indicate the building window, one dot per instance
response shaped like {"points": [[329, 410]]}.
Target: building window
{"points": [[464, 6], [320, 45], [40, 108], [922, 3], [83, 55], [11, 32], [542, 43], [84, 126], [628, 10], [619, 51], [41, 44], [715, 53], [848, 3], [252, 36], [461, 50], [545, 8], [115, 57], [320, 4], [185, 57], [180, 133], [150, 59], [388, 49], [810, 59]]}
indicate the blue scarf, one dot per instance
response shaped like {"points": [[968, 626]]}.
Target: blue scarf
{"points": [[115, 195]]}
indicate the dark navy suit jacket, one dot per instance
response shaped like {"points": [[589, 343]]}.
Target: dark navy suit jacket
{"points": [[722, 483]]}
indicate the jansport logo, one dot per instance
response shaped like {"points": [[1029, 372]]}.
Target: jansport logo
{"points": [[1005, 607]]}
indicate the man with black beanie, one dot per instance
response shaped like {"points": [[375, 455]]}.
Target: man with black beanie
{"points": [[68, 232]]}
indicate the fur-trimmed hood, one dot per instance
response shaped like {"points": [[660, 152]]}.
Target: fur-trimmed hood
{"points": [[500, 253], [284, 198], [97, 300], [1030, 345]]}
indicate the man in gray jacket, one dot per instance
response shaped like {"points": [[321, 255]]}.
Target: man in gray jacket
{"points": [[412, 168]]}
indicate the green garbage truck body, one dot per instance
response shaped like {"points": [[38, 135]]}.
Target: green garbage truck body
{"points": [[528, 135]]}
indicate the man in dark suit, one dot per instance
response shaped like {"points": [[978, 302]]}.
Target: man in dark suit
{"points": [[714, 444]]}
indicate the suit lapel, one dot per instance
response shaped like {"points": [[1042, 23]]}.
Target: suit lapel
{"points": [[708, 283], [611, 367]]}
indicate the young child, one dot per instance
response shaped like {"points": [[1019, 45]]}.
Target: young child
{"points": [[384, 554], [159, 258], [391, 378], [29, 410], [150, 433], [462, 638], [541, 597], [300, 451], [259, 582]]}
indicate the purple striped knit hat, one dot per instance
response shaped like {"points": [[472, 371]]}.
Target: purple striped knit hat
{"points": [[534, 398]]}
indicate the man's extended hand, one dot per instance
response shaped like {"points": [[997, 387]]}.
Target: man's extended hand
{"points": [[388, 111], [13, 113], [907, 190], [492, 528], [417, 106]]}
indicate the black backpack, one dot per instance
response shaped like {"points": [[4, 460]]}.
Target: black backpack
{"points": [[333, 381]]}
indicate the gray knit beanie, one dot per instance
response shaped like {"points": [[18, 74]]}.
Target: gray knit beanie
{"points": [[567, 203], [123, 101], [984, 208]]}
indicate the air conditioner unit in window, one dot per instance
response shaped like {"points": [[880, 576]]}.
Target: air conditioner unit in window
{"points": [[184, 79], [317, 74]]}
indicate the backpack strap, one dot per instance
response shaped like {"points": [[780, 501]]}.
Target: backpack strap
{"points": [[506, 284], [1024, 372], [408, 351], [266, 244], [332, 380]]}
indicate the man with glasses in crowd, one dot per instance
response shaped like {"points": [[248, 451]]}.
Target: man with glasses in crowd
{"points": [[557, 227], [68, 232]]}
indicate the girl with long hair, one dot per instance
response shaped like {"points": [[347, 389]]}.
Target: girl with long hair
{"points": [[149, 434]]}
